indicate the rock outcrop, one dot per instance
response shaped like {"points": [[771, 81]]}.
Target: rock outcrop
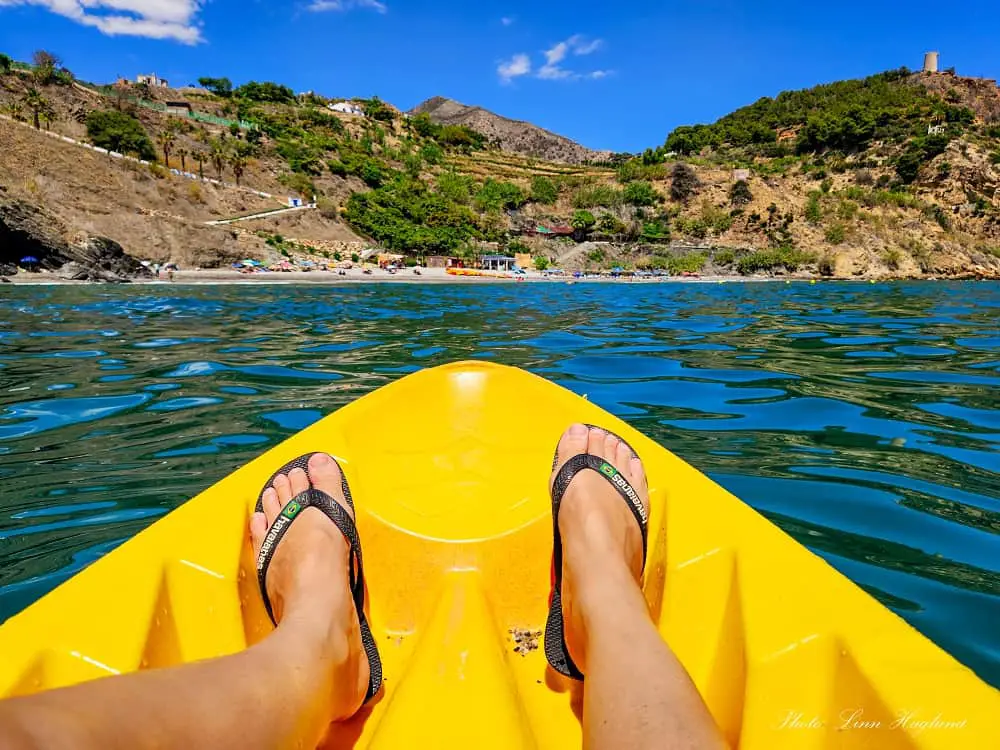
{"points": [[28, 230], [515, 136]]}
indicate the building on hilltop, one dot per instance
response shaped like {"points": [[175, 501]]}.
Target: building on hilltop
{"points": [[346, 108], [152, 80], [179, 108], [931, 62]]}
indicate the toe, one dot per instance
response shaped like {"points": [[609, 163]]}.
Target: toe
{"points": [[298, 480], [326, 476], [611, 443], [284, 489], [572, 443], [258, 530], [272, 505], [595, 441], [623, 459]]}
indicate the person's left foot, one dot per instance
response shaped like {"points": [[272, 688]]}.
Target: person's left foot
{"points": [[307, 581]]}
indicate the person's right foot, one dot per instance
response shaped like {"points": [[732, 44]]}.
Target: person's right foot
{"points": [[602, 543], [307, 581]]}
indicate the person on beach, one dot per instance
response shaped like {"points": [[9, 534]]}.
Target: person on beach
{"points": [[317, 666]]}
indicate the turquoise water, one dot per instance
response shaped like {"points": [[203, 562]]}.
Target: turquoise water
{"points": [[864, 420]]}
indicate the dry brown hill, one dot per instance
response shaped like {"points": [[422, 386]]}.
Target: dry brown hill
{"points": [[516, 136]]}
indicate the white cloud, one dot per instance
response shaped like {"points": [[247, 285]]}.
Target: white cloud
{"points": [[577, 45], [345, 5], [583, 46], [518, 65], [507, 21], [155, 19]]}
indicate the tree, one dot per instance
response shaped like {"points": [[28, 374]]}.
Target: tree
{"points": [[641, 194], [117, 131], [46, 65], [217, 155], [183, 154], [540, 262], [265, 92], [219, 86], [6, 64], [37, 103], [583, 221], [200, 158], [238, 158], [166, 140], [544, 191], [739, 193], [684, 182]]}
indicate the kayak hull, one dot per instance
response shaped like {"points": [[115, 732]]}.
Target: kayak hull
{"points": [[449, 470]]}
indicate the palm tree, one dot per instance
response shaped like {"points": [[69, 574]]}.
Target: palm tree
{"points": [[200, 157], [37, 104], [239, 156], [217, 155], [166, 139], [183, 154], [47, 116]]}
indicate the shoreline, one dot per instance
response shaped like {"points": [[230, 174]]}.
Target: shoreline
{"points": [[356, 276]]}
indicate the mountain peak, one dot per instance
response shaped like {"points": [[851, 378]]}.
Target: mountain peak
{"points": [[515, 136]]}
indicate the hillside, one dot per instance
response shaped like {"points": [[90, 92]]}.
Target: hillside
{"points": [[515, 136], [897, 175]]}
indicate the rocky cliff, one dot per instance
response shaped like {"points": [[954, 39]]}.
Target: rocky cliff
{"points": [[514, 136], [31, 231]]}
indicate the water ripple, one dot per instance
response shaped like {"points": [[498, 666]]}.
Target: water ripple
{"points": [[863, 420]]}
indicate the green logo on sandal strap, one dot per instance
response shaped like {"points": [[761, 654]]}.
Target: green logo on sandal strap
{"points": [[291, 510], [608, 470]]}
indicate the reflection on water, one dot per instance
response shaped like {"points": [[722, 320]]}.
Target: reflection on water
{"points": [[863, 420]]}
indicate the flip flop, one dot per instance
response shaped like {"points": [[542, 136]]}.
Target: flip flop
{"points": [[314, 498], [555, 639]]}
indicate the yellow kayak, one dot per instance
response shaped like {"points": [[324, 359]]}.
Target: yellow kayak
{"points": [[449, 470]]}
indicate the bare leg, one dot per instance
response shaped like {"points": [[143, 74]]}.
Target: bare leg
{"points": [[282, 692], [637, 693]]}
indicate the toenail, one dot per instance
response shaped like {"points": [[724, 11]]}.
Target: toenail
{"points": [[321, 459], [578, 430]]}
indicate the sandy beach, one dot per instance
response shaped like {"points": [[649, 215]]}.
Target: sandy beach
{"points": [[358, 276]]}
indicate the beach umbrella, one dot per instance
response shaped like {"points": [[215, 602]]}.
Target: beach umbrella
{"points": [[29, 259]]}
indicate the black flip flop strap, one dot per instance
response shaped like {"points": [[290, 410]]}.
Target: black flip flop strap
{"points": [[614, 477], [312, 498]]}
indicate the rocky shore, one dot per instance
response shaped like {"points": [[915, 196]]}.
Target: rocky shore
{"points": [[28, 230]]}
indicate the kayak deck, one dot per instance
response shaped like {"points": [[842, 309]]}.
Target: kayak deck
{"points": [[449, 470]]}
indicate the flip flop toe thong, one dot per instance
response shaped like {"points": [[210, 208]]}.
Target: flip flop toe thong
{"points": [[556, 651], [315, 498]]}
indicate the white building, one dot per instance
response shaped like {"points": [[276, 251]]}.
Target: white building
{"points": [[152, 80], [346, 108]]}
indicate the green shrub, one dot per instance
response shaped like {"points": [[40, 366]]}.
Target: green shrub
{"points": [[826, 265], [431, 153], [684, 183], [739, 193], [583, 221], [892, 258], [825, 186], [597, 255], [836, 234], [455, 187], [813, 212], [724, 258], [540, 262], [605, 196], [497, 195], [768, 260], [119, 132], [544, 191], [610, 224], [641, 194], [265, 92], [688, 263]]}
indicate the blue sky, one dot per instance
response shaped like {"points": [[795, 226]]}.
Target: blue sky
{"points": [[615, 75]]}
